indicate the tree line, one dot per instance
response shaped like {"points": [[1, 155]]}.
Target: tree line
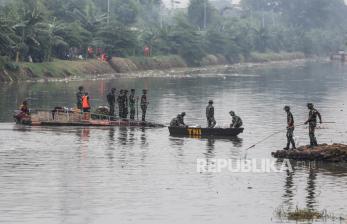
{"points": [[40, 30]]}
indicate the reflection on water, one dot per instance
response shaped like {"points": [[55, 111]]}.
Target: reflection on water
{"points": [[133, 175]]}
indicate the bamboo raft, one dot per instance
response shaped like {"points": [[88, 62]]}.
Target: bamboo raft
{"points": [[324, 152], [76, 118]]}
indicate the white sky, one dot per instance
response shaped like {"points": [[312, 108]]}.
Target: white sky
{"points": [[184, 3]]}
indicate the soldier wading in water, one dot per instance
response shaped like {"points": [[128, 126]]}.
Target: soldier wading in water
{"points": [[290, 128], [312, 122], [211, 122]]}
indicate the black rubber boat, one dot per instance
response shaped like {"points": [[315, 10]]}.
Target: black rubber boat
{"points": [[205, 132]]}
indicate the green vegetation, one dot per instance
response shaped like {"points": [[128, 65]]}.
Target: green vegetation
{"points": [[41, 30], [306, 214]]}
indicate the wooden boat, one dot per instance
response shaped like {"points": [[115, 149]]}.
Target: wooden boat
{"points": [[73, 118], [205, 132]]}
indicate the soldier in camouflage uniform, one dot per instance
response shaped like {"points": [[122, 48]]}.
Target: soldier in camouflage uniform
{"points": [[144, 104], [175, 121], [211, 122], [79, 96], [120, 99], [181, 119], [290, 128], [132, 104], [111, 99], [236, 121], [125, 104], [312, 122]]}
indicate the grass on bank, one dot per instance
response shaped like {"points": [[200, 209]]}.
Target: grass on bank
{"points": [[272, 56], [56, 68], [305, 214]]}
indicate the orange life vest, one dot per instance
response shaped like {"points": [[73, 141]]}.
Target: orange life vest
{"points": [[85, 102]]}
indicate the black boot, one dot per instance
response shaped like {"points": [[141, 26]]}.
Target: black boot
{"points": [[287, 147], [293, 144]]}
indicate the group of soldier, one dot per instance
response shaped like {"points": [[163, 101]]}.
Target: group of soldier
{"points": [[211, 121], [125, 103], [314, 115], [311, 121]]}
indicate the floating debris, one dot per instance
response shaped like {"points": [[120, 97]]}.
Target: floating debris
{"points": [[324, 152]]}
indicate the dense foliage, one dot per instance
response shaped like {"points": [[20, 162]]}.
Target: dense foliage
{"points": [[39, 30]]}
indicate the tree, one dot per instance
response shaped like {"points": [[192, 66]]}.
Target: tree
{"points": [[186, 41], [116, 39], [200, 13]]}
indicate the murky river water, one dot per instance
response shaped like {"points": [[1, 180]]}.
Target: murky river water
{"points": [[130, 175]]}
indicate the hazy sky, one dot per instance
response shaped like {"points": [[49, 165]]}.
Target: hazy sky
{"points": [[184, 3]]}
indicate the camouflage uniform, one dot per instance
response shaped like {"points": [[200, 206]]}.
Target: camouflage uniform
{"points": [[312, 121], [144, 104], [290, 130], [120, 100], [125, 104], [132, 105], [174, 122], [211, 122], [79, 96], [111, 99], [236, 122], [180, 118]]}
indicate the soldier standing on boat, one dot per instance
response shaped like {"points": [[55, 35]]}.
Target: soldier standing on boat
{"points": [[111, 99], [125, 104], [120, 103], [210, 115], [312, 122], [144, 104], [79, 96], [290, 128], [132, 104], [236, 120]]}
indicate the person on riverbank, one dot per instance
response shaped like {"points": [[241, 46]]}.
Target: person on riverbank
{"points": [[312, 123], [111, 99], [290, 128], [79, 96], [236, 120], [126, 104], [132, 102], [211, 122], [120, 103], [144, 104]]}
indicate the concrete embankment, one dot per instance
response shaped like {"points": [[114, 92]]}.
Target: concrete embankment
{"points": [[62, 69]]}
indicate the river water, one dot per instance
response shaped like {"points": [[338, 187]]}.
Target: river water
{"points": [[131, 175]]}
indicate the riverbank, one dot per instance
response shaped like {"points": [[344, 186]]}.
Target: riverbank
{"points": [[93, 68]]}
